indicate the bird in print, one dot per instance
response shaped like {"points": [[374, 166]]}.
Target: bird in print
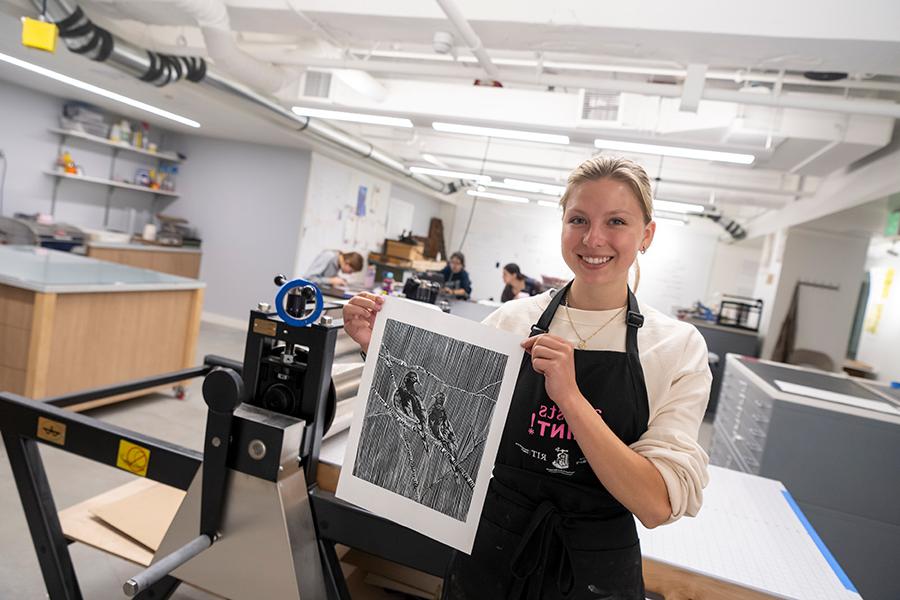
{"points": [[441, 426], [407, 399]]}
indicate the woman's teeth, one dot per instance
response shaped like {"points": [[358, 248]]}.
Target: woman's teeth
{"points": [[596, 260]]}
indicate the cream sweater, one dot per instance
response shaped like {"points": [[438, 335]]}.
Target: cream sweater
{"points": [[674, 359]]}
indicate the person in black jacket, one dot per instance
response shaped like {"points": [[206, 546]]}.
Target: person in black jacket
{"points": [[456, 278], [517, 284]]}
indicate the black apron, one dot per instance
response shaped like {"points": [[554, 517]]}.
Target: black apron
{"points": [[549, 529]]}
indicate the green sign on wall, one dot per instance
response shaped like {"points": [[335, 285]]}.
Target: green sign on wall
{"points": [[893, 224]]}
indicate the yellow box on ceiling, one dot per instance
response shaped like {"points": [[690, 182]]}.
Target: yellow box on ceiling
{"points": [[39, 34]]}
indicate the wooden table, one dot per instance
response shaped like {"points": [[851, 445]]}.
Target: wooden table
{"points": [[70, 323]]}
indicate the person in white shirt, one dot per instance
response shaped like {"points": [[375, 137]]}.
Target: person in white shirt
{"points": [[604, 418]]}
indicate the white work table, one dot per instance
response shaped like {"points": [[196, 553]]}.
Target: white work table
{"points": [[749, 533], [54, 272]]}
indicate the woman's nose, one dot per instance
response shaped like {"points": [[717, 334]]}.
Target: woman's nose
{"points": [[594, 237]]}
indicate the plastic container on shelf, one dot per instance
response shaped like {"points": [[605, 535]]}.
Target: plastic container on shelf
{"points": [[369, 281], [388, 284]]}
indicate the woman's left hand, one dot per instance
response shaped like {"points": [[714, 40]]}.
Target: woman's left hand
{"points": [[554, 358]]}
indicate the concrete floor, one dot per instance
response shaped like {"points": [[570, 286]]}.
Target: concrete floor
{"points": [[74, 479]]}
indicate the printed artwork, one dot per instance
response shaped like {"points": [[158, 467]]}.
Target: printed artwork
{"points": [[431, 408], [428, 413]]}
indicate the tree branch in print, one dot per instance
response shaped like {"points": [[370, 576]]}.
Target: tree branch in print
{"points": [[442, 390]]}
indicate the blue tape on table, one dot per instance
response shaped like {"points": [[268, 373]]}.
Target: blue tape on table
{"points": [[819, 543], [279, 303]]}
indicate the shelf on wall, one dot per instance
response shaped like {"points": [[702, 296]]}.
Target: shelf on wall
{"points": [[167, 156], [111, 183]]}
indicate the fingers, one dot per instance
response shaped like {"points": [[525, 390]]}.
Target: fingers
{"points": [[367, 300], [546, 340]]}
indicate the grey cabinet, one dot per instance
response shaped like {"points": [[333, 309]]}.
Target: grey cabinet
{"points": [[841, 463]]}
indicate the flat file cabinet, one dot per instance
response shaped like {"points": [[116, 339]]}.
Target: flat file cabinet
{"points": [[841, 462]]}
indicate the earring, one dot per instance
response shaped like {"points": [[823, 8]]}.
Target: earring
{"points": [[643, 250]]}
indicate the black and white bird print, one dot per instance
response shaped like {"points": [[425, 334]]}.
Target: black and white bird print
{"points": [[407, 399]]}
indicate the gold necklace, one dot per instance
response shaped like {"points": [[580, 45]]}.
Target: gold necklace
{"points": [[582, 342]]}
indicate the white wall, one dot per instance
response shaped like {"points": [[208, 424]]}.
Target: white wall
{"points": [[247, 201], [734, 270], [881, 329], [25, 118], [824, 317], [674, 272], [330, 219]]}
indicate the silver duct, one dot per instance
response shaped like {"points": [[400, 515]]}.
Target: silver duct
{"points": [[82, 37]]}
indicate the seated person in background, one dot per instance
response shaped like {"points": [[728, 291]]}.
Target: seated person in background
{"points": [[456, 278], [328, 267], [517, 284]]}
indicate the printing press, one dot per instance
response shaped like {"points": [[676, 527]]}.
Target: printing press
{"points": [[254, 523]]}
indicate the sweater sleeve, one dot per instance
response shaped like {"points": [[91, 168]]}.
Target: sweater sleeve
{"points": [[670, 442]]}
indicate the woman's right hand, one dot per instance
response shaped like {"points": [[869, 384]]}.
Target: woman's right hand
{"points": [[359, 317]]}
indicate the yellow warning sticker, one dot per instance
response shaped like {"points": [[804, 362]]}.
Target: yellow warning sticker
{"points": [[133, 458], [51, 431]]}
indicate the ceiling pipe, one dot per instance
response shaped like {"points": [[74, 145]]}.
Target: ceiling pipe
{"points": [[136, 62], [882, 108], [733, 75], [459, 22]]}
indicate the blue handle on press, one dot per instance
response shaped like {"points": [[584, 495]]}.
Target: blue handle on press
{"points": [[282, 312]]}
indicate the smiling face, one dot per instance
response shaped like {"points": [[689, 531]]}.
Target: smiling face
{"points": [[603, 229]]}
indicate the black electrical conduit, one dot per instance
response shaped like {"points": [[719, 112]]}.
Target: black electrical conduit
{"points": [[161, 69]]}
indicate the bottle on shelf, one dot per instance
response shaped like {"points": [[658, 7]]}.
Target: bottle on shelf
{"points": [[387, 285], [66, 164], [369, 281]]}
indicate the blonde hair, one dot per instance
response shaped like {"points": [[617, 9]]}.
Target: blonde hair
{"points": [[618, 169], [621, 170]]}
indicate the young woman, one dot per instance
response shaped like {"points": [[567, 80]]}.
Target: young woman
{"points": [[517, 285], [456, 278], [329, 265], [629, 387]]}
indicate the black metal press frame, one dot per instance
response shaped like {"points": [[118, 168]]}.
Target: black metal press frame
{"points": [[25, 422]]}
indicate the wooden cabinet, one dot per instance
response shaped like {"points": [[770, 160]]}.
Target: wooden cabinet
{"points": [[183, 263]]}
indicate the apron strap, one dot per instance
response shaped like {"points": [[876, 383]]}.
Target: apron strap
{"points": [[543, 324], [635, 320], [531, 559]]}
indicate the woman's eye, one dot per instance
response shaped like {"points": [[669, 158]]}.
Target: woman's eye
{"points": [[577, 220], [617, 221]]}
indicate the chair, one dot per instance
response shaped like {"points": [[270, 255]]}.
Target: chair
{"points": [[811, 358]]}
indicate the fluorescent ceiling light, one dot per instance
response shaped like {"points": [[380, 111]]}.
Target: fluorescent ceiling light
{"points": [[548, 204], [512, 134], [451, 174], [98, 90], [493, 196], [670, 219], [339, 115], [431, 159], [677, 206], [535, 186], [678, 151]]}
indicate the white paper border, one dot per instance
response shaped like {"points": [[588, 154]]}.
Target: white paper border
{"points": [[398, 508]]}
